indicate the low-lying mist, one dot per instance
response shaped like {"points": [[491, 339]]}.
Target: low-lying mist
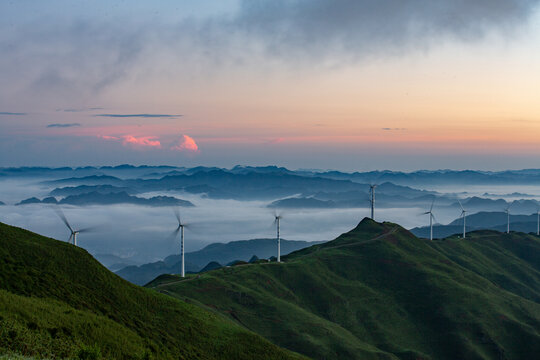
{"points": [[143, 234]]}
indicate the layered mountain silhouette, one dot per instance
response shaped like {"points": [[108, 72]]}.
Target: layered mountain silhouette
{"points": [[99, 198]]}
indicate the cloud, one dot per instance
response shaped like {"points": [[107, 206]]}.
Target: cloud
{"points": [[186, 143], [87, 54], [11, 113], [107, 137], [357, 28], [63, 125], [80, 110], [139, 115], [144, 141], [137, 141], [393, 129], [276, 140]]}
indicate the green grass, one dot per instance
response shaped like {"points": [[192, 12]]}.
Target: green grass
{"points": [[57, 302], [378, 292]]}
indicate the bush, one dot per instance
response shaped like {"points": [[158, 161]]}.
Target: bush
{"points": [[89, 353]]}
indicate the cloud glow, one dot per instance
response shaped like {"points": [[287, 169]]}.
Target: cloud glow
{"points": [[137, 141], [141, 141], [186, 143]]}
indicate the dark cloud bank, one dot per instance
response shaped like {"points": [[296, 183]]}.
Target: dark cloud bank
{"points": [[139, 115], [63, 125]]}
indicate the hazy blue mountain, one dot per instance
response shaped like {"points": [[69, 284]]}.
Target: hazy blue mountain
{"points": [[143, 274], [439, 177], [96, 198], [122, 171], [84, 189], [223, 253], [89, 180], [304, 203], [34, 200], [212, 265], [113, 262]]}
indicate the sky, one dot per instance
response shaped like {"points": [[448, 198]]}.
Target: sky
{"points": [[352, 85]]}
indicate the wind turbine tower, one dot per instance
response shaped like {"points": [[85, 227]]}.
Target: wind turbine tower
{"points": [[278, 219], [431, 217], [507, 210], [372, 200], [464, 216], [538, 222], [180, 229]]}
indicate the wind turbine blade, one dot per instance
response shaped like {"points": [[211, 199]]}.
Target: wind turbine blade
{"points": [[510, 205], [461, 206], [87, 229], [177, 214], [174, 234], [60, 214], [433, 202], [434, 218], [70, 236]]}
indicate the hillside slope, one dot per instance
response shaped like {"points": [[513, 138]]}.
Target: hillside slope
{"points": [[57, 301], [378, 292]]}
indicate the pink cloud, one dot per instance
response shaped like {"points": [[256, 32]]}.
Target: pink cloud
{"points": [[130, 140], [186, 143], [107, 137], [141, 141]]}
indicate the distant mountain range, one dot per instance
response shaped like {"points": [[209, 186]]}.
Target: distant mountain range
{"points": [[222, 253], [283, 188], [98, 198], [415, 178]]}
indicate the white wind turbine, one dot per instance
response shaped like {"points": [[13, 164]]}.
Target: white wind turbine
{"points": [[277, 221], [464, 216], [73, 233], [431, 218], [180, 229], [372, 199], [507, 210], [538, 221]]}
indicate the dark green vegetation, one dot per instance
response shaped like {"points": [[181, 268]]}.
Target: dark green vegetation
{"points": [[56, 301], [378, 292]]}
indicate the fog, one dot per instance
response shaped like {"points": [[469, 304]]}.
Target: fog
{"points": [[143, 234]]}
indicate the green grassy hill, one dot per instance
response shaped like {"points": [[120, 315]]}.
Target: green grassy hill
{"points": [[56, 301], [378, 292]]}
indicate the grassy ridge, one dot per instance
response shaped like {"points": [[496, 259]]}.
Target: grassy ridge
{"points": [[378, 292], [57, 301]]}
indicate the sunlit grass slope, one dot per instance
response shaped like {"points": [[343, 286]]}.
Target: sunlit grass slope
{"points": [[56, 301], [378, 292]]}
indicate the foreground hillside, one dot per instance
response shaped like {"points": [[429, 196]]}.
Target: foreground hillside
{"points": [[56, 301], [378, 292]]}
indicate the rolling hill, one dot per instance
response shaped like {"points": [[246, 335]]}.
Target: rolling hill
{"points": [[378, 292], [56, 301]]}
